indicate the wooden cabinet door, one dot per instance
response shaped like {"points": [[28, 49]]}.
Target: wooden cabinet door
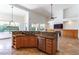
{"points": [[41, 43], [18, 42], [26, 41], [49, 44], [54, 46], [32, 41], [22, 41]]}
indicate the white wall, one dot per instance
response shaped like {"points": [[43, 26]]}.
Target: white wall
{"points": [[35, 18], [69, 14], [22, 20], [70, 25], [59, 18], [72, 14], [8, 17], [26, 18]]}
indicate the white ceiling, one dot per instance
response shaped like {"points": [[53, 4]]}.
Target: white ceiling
{"points": [[57, 6], [6, 9], [43, 9]]}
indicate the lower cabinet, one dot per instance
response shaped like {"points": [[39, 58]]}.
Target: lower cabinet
{"points": [[41, 43], [17, 42], [24, 41], [47, 45], [32, 41], [44, 44], [21, 41], [51, 46]]}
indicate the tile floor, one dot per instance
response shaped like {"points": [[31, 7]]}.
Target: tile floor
{"points": [[4, 35], [67, 46]]}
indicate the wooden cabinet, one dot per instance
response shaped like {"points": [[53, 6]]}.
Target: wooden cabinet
{"points": [[21, 41], [47, 45], [24, 41], [32, 41], [41, 43], [51, 46], [70, 34], [17, 42]]}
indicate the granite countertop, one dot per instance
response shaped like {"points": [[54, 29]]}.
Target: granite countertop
{"points": [[18, 35], [48, 37], [45, 36]]}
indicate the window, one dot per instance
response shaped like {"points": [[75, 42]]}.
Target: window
{"points": [[42, 27], [5, 27], [37, 27], [34, 27]]}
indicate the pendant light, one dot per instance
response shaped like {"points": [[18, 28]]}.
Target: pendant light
{"points": [[12, 23], [52, 18]]}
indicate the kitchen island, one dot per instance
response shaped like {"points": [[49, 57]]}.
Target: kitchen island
{"points": [[44, 41]]}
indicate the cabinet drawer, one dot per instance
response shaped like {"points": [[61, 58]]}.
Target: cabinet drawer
{"points": [[49, 43], [48, 50], [49, 40]]}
